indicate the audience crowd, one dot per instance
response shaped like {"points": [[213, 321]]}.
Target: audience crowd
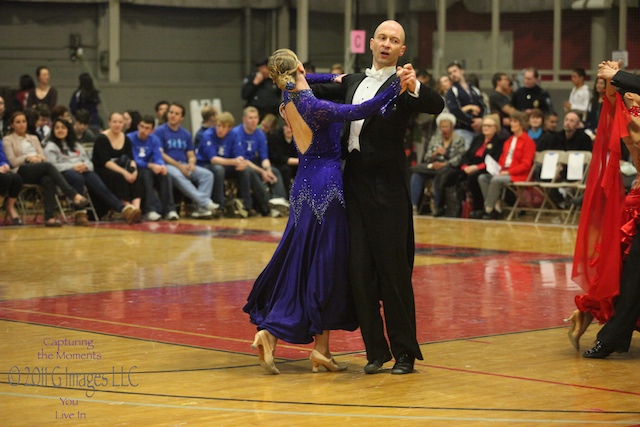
{"points": [[150, 168], [502, 131]]}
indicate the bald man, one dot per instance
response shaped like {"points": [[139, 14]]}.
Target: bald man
{"points": [[376, 186]]}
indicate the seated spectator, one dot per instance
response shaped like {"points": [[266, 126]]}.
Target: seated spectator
{"points": [[147, 153], [595, 106], [209, 116], [550, 122], [571, 137], [32, 121], [443, 85], [580, 96], [72, 161], [536, 128], [443, 155], [474, 81], [268, 124], [10, 186], [193, 181], [44, 120], [26, 157], [43, 93], [500, 98], [266, 181], [466, 102], [425, 78], [214, 153], [60, 111], [473, 161], [161, 112], [515, 163], [113, 162], [131, 120], [337, 68], [81, 128], [283, 154], [87, 97], [531, 95]]}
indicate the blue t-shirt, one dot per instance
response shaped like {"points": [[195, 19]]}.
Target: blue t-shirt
{"points": [[252, 147], [147, 151], [175, 143], [211, 145]]}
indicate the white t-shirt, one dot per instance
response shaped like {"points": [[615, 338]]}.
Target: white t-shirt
{"points": [[28, 149], [579, 98]]}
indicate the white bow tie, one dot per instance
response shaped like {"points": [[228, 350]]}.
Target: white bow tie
{"points": [[374, 74]]}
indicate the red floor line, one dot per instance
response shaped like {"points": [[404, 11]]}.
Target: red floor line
{"points": [[514, 377]]}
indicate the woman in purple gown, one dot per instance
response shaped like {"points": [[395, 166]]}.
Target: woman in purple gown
{"points": [[304, 292]]}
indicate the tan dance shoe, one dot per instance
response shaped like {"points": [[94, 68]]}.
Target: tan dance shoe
{"points": [[266, 345], [330, 364]]}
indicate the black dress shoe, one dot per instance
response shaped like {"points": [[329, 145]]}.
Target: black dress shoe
{"points": [[599, 351], [495, 215], [404, 365], [375, 365]]}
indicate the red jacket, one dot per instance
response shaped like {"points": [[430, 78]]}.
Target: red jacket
{"points": [[522, 159]]}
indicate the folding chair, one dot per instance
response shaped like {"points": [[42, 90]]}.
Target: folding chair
{"points": [[577, 163], [65, 205], [30, 201], [552, 165], [544, 162]]}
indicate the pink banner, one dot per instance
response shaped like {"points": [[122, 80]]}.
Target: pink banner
{"points": [[358, 41]]}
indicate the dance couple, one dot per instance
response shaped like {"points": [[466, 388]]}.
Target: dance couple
{"points": [[345, 249], [607, 256]]}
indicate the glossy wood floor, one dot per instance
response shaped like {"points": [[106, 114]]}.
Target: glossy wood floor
{"points": [[112, 325]]}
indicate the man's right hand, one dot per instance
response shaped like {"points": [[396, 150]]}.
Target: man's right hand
{"points": [[608, 69]]}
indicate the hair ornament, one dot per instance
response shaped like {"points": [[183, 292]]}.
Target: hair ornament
{"points": [[289, 86]]}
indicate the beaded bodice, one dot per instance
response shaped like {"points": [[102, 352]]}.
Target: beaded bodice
{"points": [[318, 181]]}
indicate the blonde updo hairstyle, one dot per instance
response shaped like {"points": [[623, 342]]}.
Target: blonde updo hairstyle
{"points": [[283, 67]]}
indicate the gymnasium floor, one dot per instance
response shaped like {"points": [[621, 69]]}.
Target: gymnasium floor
{"points": [[116, 325]]}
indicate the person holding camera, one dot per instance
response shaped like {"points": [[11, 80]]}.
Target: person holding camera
{"points": [[259, 91]]}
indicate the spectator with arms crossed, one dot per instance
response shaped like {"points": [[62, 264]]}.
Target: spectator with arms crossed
{"points": [[464, 101]]}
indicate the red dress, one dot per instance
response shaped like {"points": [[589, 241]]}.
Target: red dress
{"points": [[608, 221]]}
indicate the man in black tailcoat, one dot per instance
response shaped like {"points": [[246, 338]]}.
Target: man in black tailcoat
{"points": [[376, 186]]}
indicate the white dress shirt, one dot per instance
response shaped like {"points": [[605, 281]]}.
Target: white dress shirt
{"points": [[366, 90]]}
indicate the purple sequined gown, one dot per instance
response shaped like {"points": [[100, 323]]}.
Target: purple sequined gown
{"points": [[304, 289]]}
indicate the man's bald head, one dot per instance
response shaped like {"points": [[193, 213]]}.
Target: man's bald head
{"points": [[391, 25]]}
